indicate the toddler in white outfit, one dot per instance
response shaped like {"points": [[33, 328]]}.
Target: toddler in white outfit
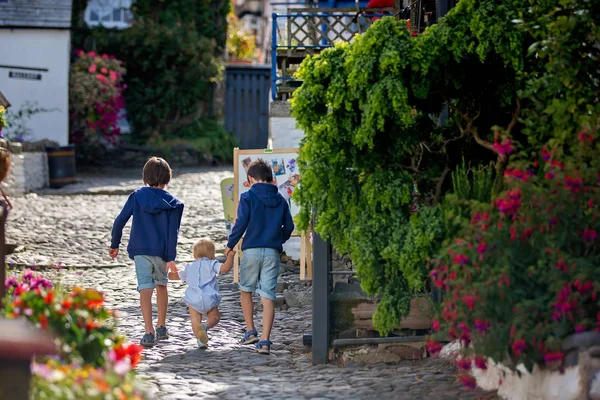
{"points": [[202, 294]]}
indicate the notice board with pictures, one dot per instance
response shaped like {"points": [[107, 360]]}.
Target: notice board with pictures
{"points": [[286, 177], [284, 164]]}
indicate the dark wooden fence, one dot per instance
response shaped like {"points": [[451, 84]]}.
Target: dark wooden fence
{"points": [[247, 104]]}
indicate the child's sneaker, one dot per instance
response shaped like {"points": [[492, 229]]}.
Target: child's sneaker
{"points": [[201, 345], [161, 333], [203, 336], [148, 340]]}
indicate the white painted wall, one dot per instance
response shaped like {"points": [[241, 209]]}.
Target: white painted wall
{"points": [[38, 48]]}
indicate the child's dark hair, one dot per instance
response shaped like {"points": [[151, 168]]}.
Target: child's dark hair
{"points": [[261, 171], [157, 172]]}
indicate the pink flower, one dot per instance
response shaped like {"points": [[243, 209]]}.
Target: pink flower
{"points": [[468, 381], [469, 302], [79, 52], [481, 248], [482, 326], [464, 363], [589, 235], [101, 78], [518, 346], [460, 259], [585, 137], [92, 68], [435, 324], [574, 183], [433, 347], [92, 54], [105, 56], [104, 71], [518, 174], [504, 148], [113, 76], [480, 363], [553, 357]]}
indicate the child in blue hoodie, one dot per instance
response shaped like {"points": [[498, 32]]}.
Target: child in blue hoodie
{"points": [[265, 221], [152, 242]]}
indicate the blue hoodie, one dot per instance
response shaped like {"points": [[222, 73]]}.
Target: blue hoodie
{"points": [[155, 227], [264, 216]]}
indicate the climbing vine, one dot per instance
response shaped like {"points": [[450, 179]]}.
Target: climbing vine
{"points": [[370, 110]]}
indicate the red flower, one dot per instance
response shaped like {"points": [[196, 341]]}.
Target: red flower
{"points": [[585, 137], [460, 259], [481, 248], [553, 357], [480, 363], [49, 298], [504, 148], [518, 346], [464, 363], [482, 326], [468, 381], [435, 324], [550, 175], [433, 347], [589, 235], [43, 321], [469, 302]]}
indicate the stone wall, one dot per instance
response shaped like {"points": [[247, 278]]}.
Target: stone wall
{"points": [[29, 170]]}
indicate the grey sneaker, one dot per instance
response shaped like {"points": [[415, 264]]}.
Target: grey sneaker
{"points": [[201, 345], [148, 340], [161, 333]]}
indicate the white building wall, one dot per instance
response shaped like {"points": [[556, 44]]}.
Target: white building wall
{"points": [[47, 50]]}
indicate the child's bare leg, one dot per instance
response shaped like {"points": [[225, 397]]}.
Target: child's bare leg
{"points": [[213, 317], [146, 304], [162, 300], [247, 309], [268, 317], [196, 318]]}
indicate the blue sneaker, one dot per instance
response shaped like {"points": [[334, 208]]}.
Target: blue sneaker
{"points": [[161, 333], [148, 340]]}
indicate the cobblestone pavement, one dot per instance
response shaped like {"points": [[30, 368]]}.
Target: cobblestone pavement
{"points": [[73, 225]]}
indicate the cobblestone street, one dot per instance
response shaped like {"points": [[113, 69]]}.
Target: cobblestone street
{"points": [[73, 225]]}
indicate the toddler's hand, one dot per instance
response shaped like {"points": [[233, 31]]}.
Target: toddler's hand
{"points": [[171, 267], [113, 253]]}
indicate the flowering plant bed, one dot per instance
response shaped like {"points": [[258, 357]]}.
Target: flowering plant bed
{"points": [[522, 277], [96, 96], [93, 362]]}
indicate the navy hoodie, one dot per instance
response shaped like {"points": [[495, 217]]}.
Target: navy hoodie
{"points": [[264, 216], [155, 227]]}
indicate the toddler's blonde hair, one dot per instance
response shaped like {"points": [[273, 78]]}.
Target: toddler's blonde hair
{"points": [[204, 248]]}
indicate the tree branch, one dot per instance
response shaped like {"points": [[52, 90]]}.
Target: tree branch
{"points": [[438, 186]]}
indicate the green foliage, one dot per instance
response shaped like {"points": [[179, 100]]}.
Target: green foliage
{"points": [[564, 91], [240, 45], [474, 186], [14, 124], [173, 55]]}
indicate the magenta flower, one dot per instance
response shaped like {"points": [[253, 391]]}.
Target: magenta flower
{"points": [[468, 381], [589, 235], [518, 347], [482, 326], [460, 259], [464, 363], [553, 357], [433, 347], [481, 248], [469, 302], [504, 148], [480, 363]]}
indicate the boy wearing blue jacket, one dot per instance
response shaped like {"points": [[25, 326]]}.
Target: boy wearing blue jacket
{"points": [[152, 242], [264, 216]]}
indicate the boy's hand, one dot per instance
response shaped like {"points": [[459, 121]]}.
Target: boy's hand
{"points": [[227, 251], [171, 267], [113, 253]]}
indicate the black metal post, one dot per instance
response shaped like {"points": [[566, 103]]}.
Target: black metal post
{"points": [[321, 292], [2, 251]]}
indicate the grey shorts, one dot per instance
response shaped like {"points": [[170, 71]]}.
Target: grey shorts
{"points": [[150, 271]]}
